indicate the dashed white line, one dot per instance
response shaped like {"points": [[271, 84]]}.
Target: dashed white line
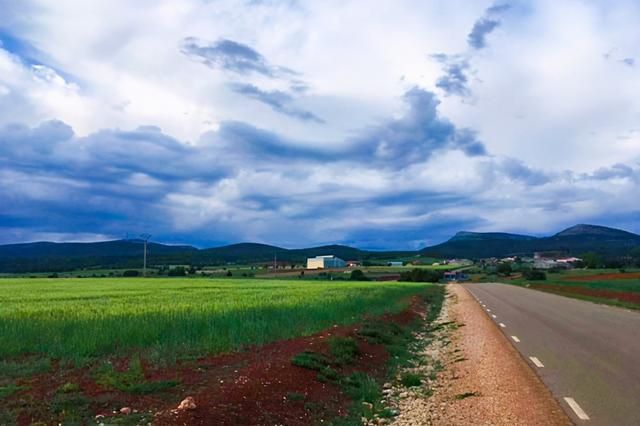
{"points": [[576, 408], [494, 317], [488, 310], [502, 325], [536, 361], [515, 339]]}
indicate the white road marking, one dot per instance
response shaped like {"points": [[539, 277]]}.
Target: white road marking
{"points": [[502, 325], [515, 339], [488, 310], [494, 317], [536, 361], [576, 408]]}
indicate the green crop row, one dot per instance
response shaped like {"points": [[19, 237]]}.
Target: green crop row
{"points": [[84, 318]]}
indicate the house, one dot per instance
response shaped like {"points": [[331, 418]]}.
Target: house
{"points": [[325, 262], [395, 263], [354, 263]]}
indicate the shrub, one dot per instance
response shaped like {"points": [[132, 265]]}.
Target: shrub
{"points": [[410, 380], [358, 275], [419, 275], [178, 271], [343, 349], [504, 268], [535, 275], [310, 360], [130, 273]]}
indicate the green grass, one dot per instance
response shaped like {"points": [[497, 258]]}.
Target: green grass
{"points": [[344, 350], [132, 380], [79, 318], [410, 380], [10, 389]]}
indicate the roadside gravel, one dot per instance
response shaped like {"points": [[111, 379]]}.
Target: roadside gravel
{"points": [[474, 375]]}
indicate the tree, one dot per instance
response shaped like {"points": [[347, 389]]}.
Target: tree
{"points": [[635, 256], [358, 275], [421, 275], [130, 273], [178, 271], [535, 275], [592, 260], [504, 268], [229, 273]]}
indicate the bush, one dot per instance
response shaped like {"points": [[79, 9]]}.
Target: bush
{"points": [[535, 275], [358, 275], [419, 275], [410, 380], [178, 271], [130, 273], [504, 268], [343, 349]]}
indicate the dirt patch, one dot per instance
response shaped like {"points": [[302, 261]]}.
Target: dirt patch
{"points": [[258, 386], [620, 296], [484, 380], [605, 277]]}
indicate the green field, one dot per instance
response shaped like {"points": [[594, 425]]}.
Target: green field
{"points": [[84, 318]]}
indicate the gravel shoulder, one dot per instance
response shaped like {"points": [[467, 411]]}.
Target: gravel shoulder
{"points": [[484, 380]]}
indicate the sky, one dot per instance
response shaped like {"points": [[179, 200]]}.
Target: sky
{"points": [[385, 124]]}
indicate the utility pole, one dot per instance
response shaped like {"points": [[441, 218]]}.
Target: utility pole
{"points": [[145, 239], [275, 261]]}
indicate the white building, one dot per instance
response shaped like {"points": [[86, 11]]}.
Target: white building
{"points": [[325, 262]]}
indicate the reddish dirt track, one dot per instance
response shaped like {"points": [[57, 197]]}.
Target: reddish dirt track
{"points": [[251, 387], [606, 277], [592, 292]]}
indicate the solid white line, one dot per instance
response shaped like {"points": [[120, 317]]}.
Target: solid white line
{"points": [[536, 361], [576, 408], [515, 339], [502, 325], [494, 317]]}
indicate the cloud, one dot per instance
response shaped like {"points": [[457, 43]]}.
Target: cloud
{"points": [[528, 149], [231, 56], [477, 38], [457, 68], [277, 100], [412, 138], [455, 80], [630, 62], [417, 135]]}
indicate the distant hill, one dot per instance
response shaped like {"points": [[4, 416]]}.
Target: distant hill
{"points": [[572, 241], [56, 257]]}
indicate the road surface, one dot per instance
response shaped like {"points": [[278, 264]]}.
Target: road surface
{"points": [[587, 354]]}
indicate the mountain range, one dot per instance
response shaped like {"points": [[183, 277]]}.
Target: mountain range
{"points": [[50, 257]]}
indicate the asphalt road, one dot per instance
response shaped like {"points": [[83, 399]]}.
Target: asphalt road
{"points": [[583, 351]]}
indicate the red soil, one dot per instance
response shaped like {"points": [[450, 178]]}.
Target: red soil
{"points": [[605, 277], [592, 292], [252, 387]]}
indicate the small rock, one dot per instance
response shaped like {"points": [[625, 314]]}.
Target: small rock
{"points": [[367, 405], [187, 404], [125, 410], [387, 386], [404, 395]]}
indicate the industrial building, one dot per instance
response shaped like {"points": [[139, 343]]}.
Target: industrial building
{"points": [[325, 262]]}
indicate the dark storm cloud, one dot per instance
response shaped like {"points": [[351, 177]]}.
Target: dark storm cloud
{"points": [[412, 138]]}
